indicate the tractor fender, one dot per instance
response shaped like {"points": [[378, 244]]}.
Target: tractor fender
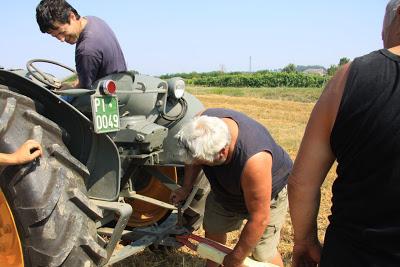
{"points": [[96, 151]]}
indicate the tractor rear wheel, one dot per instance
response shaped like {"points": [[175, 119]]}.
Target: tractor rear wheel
{"points": [[44, 218], [145, 214]]}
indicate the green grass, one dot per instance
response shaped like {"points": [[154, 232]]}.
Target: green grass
{"points": [[306, 95], [70, 79]]}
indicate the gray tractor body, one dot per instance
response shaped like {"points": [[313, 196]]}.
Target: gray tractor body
{"points": [[149, 118]]}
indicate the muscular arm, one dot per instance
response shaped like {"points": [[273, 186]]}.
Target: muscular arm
{"points": [[313, 161], [256, 183]]}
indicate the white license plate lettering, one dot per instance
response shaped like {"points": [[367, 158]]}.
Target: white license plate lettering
{"points": [[105, 114]]}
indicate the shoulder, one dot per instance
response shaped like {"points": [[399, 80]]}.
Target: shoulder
{"points": [[212, 111], [258, 163], [95, 30], [370, 57], [95, 20], [333, 92], [257, 174]]}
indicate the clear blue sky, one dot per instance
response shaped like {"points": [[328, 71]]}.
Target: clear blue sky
{"points": [[160, 37]]}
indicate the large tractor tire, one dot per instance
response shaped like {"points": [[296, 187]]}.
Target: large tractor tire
{"points": [[50, 218]]}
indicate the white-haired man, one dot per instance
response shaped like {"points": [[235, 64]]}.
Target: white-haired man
{"points": [[355, 122], [248, 174]]}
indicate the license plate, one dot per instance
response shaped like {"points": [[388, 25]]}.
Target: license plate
{"points": [[105, 113]]}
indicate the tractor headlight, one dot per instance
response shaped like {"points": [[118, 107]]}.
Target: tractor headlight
{"points": [[176, 87]]}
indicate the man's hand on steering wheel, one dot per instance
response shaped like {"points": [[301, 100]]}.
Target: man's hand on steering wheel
{"points": [[47, 79]]}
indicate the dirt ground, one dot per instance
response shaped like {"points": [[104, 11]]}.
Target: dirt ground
{"points": [[286, 120]]}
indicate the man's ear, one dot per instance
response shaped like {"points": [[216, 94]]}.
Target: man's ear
{"points": [[71, 17], [398, 11], [223, 152]]}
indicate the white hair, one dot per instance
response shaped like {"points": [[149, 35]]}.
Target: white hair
{"points": [[390, 14], [202, 138]]}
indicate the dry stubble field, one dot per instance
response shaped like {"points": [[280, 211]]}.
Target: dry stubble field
{"points": [[286, 120]]}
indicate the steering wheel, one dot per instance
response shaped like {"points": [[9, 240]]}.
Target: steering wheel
{"points": [[47, 79]]}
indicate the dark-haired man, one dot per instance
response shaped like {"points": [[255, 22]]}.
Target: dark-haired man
{"points": [[97, 52]]}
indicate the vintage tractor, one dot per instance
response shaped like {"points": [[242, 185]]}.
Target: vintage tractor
{"points": [[110, 161]]}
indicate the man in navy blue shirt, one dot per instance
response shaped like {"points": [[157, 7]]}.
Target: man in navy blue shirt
{"points": [[97, 51], [247, 171]]}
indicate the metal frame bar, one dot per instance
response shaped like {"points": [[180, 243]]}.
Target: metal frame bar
{"points": [[149, 235], [124, 211]]}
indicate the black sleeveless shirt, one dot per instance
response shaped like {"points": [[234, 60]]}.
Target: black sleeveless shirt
{"points": [[252, 139], [365, 222]]}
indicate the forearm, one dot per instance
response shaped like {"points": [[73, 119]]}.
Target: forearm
{"points": [[304, 202], [250, 236], [7, 159]]}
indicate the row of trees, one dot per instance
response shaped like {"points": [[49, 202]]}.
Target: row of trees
{"points": [[330, 71], [267, 79], [333, 68], [290, 76]]}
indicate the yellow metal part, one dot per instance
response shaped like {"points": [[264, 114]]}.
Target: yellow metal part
{"points": [[10, 244], [145, 213]]}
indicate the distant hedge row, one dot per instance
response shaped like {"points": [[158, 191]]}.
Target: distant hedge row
{"points": [[258, 79], [271, 79]]}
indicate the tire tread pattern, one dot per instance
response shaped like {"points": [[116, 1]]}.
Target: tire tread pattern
{"points": [[48, 197]]}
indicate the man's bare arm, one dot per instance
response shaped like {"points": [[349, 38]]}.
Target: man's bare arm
{"points": [[25, 153], [256, 184], [313, 162]]}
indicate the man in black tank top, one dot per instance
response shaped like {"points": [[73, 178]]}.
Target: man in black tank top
{"points": [[247, 172], [356, 122]]}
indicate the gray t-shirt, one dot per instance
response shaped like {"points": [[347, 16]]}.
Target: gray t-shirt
{"points": [[97, 52]]}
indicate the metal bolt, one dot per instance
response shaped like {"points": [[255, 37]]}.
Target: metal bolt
{"points": [[140, 138]]}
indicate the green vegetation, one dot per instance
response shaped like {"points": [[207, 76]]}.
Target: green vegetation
{"points": [[269, 79], [256, 79], [70, 79], [290, 68], [333, 68], [306, 95]]}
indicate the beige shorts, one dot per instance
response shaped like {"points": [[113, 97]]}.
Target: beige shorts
{"points": [[218, 220]]}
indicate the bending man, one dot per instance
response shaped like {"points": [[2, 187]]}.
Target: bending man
{"points": [[248, 173]]}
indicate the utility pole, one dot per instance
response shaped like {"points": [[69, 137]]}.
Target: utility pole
{"points": [[222, 68], [250, 64]]}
